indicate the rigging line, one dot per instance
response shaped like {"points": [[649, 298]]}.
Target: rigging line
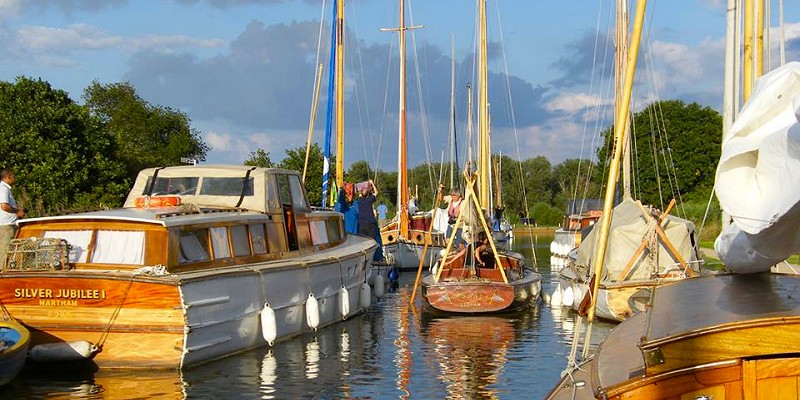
{"points": [[362, 109], [423, 120], [389, 65]]}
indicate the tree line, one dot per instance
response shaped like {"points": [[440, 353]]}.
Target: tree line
{"points": [[72, 156]]}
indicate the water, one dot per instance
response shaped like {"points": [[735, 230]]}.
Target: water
{"points": [[391, 351]]}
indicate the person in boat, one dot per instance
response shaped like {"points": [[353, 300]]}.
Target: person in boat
{"points": [[346, 204], [382, 210], [367, 223], [9, 212], [454, 201], [412, 206], [484, 257]]}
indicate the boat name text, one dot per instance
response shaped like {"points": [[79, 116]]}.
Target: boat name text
{"points": [[67, 294]]}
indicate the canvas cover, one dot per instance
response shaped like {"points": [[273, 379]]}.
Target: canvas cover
{"points": [[629, 227], [263, 197], [758, 176]]}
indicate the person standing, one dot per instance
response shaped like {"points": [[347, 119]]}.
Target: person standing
{"points": [[367, 223], [346, 204], [382, 210], [9, 212]]}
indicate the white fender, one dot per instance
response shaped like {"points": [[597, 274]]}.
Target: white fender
{"points": [[555, 299], [312, 311], [370, 274], [269, 326], [365, 297], [568, 296], [63, 351], [553, 246], [344, 302], [379, 286]]}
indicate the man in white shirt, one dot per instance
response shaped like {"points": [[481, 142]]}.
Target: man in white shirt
{"points": [[9, 212]]}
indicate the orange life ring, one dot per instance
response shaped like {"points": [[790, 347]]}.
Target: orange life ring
{"points": [[157, 201]]}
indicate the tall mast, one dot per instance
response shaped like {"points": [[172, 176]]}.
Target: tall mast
{"points": [[340, 93], [621, 60], [453, 159], [484, 152], [749, 39], [402, 167]]}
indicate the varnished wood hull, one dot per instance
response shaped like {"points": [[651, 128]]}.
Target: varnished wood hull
{"points": [[473, 296], [722, 337]]}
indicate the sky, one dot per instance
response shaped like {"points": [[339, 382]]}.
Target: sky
{"points": [[244, 70]]}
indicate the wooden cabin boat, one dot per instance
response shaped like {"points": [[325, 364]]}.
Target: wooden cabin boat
{"points": [[723, 337], [580, 215], [233, 258], [406, 250], [14, 341]]}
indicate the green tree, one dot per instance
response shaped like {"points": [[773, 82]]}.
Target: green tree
{"points": [[676, 150], [60, 153], [147, 135], [295, 160], [259, 158], [575, 178]]}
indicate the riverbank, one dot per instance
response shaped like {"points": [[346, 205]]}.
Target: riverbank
{"points": [[530, 230]]}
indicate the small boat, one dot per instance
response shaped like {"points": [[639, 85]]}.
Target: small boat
{"points": [[241, 261], [14, 341], [580, 215]]}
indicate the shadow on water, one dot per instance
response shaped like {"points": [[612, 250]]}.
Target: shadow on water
{"points": [[391, 351]]}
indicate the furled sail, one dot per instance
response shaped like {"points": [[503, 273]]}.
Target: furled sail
{"points": [[758, 176]]}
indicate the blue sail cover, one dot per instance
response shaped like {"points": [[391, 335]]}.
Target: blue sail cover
{"points": [[326, 164]]}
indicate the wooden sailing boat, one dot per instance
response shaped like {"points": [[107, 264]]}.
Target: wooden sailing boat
{"points": [[726, 336], [649, 247], [404, 239], [459, 283]]}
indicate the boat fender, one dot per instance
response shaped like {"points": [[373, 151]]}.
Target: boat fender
{"points": [[365, 297], [534, 290], [269, 326], [379, 286], [568, 297], [370, 275], [312, 312], [344, 302], [394, 274], [63, 351], [555, 299]]}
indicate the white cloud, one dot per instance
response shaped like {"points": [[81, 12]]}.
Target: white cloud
{"points": [[573, 103], [10, 8], [80, 37]]}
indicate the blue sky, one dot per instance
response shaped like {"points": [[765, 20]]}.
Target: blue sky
{"points": [[243, 70]]}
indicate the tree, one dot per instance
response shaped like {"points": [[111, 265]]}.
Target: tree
{"points": [[295, 160], [575, 178], [60, 153], [146, 135], [676, 150], [259, 158]]}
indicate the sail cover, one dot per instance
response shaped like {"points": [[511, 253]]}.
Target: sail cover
{"points": [[630, 226], [758, 176]]}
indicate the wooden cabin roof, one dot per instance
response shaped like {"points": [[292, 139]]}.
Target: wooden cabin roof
{"points": [[164, 216]]}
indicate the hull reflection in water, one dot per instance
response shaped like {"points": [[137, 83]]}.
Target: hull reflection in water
{"points": [[471, 352]]}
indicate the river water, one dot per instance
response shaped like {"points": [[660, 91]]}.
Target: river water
{"points": [[391, 351]]}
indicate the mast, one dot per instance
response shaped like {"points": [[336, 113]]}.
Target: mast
{"points": [[402, 167], [326, 163], [619, 139], [453, 144], [747, 67], [484, 152], [619, 72], [340, 93]]}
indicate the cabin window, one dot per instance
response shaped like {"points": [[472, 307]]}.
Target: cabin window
{"points": [[334, 226], [179, 186], [259, 238], [283, 189], [298, 195], [277, 237], [241, 243], [227, 186], [219, 241], [78, 240], [119, 247], [319, 232], [194, 246]]}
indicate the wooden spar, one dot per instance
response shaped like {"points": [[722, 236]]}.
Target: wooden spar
{"points": [[619, 73], [402, 167], [759, 39], [340, 94], [484, 152], [453, 150], [747, 65], [439, 196], [317, 85], [619, 139]]}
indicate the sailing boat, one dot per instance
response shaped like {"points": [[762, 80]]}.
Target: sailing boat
{"points": [[742, 341], [405, 238], [478, 278], [647, 247]]}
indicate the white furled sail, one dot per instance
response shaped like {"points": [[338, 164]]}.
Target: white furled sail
{"points": [[758, 176]]}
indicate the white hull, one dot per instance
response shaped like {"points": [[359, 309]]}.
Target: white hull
{"points": [[223, 310], [406, 256]]}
